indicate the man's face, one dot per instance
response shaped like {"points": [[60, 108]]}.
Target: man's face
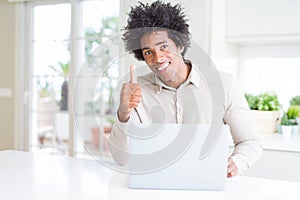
{"points": [[163, 57]]}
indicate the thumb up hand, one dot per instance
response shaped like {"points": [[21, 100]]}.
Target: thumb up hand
{"points": [[131, 95]]}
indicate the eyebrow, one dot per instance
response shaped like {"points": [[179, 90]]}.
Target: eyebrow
{"points": [[159, 43]]}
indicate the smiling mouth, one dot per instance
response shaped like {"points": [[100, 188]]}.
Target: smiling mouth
{"points": [[163, 67]]}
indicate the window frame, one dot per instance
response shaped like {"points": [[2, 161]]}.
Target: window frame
{"points": [[264, 51], [23, 136]]}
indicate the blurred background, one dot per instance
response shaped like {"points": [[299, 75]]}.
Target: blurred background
{"points": [[58, 71]]}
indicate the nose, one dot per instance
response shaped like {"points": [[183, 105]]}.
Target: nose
{"points": [[159, 56]]}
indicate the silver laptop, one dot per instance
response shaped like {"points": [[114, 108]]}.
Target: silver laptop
{"points": [[178, 156]]}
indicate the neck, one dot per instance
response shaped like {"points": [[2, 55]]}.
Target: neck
{"points": [[184, 74]]}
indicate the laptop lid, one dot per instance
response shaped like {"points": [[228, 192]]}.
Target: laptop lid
{"points": [[178, 156]]}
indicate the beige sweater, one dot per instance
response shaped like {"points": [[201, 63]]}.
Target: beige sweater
{"points": [[206, 97]]}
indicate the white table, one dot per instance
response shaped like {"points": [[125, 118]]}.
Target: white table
{"points": [[29, 176]]}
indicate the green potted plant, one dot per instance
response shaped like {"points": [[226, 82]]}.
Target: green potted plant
{"points": [[286, 128], [295, 102], [288, 121], [292, 114], [63, 70], [265, 108], [99, 103]]}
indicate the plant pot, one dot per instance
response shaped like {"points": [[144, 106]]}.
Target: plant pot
{"points": [[287, 130], [46, 109], [267, 121], [298, 122], [96, 140], [64, 96]]}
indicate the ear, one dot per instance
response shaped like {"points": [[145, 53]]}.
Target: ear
{"points": [[181, 49]]}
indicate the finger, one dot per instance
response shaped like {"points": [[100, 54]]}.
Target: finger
{"points": [[133, 78], [230, 165], [232, 173], [137, 92], [136, 99], [230, 161], [134, 87], [133, 105], [231, 168]]}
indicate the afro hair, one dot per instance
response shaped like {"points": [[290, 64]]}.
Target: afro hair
{"points": [[147, 18]]}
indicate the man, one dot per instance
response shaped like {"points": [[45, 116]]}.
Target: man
{"points": [[158, 34]]}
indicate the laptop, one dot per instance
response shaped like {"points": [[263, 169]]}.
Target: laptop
{"points": [[178, 156]]}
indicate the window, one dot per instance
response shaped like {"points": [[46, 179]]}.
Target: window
{"points": [[50, 64], [62, 37], [271, 68]]}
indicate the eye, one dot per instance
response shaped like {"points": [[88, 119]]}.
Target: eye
{"points": [[164, 46], [147, 53]]}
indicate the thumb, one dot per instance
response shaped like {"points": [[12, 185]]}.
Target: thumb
{"points": [[133, 78]]}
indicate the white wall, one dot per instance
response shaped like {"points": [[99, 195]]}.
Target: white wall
{"points": [[251, 22], [263, 19], [224, 55]]}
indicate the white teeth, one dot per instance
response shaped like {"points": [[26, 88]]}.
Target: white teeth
{"points": [[163, 67]]}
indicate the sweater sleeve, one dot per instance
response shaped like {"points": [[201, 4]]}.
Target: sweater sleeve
{"points": [[119, 137], [247, 146]]}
